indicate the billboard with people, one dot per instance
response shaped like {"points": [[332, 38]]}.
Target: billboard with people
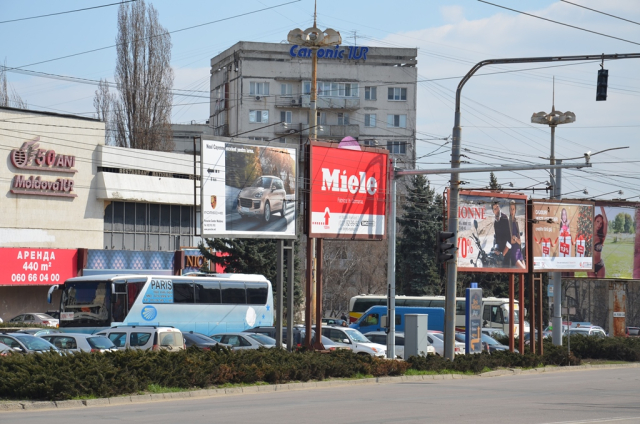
{"points": [[563, 237], [616, 243], [492, 232]]}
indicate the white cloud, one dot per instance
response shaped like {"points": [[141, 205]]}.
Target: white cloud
{"points": [[452, 13]]}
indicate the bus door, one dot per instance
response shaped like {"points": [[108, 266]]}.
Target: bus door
{"points": [[493, 317], [119, 306]]}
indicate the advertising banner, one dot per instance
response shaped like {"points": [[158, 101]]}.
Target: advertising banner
{"points": [[42, 267], [562, 236], [348, 192], [616, 243], [248, 190], [492, 232], [473, 321]]}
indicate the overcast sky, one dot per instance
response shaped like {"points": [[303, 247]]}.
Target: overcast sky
{"points": [[451, 36]]}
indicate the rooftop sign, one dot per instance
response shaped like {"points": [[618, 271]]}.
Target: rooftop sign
{"points": [[337, 52]]}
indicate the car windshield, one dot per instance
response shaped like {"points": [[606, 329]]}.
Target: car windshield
{"points": [[357, 336], [34, 343], [262, 182], [100, 343], [437, 336], [490, 340], [584, 332], [263, 340]]}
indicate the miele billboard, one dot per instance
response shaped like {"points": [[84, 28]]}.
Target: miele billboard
{"points": [[348, 192]]}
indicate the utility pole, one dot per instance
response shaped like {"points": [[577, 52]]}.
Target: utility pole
{"points": [[452, 266]]}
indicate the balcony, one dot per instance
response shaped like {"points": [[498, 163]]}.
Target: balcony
{"points": [[284, 129], [335, 131], [288, 101], [344, 103]]}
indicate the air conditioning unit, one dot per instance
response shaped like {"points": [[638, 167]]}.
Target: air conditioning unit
{"points": [[258, 97], [294, 101], [292, 131]]}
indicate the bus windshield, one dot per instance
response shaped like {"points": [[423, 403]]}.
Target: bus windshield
{"points": [[86, 303]]}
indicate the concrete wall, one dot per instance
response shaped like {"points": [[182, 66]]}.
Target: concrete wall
{"points": [[16, 300]]}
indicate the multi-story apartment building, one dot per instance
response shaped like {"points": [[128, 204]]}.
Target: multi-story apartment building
{"points": [[261, 91]]}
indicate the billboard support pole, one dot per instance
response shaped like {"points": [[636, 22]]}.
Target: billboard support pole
{"points": [[391, 269], [556, 320], [538, 277], [320, 253], [289, 252], [532, 312], [521, 315], [511, 313], [280, 293], [308, 291]]}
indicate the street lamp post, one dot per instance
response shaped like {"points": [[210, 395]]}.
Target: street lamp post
{"points": [[553, 119], [313, 38]]}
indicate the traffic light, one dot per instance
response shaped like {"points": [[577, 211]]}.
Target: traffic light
{"points": [[601, 93], [446, 250]]}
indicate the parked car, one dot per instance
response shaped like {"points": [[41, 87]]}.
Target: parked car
{"points": [[327, 342], [200, 340], [53, 313], [145, 337], [26, 343], [35, 318], [380, 337], [436, 339], [80, 342], [4, 349], [633, 331], [488, 343], [242, 340], [38, 332], [587, 331], [335, 321], [498, 333], [265, 196], [355, 340], [271, 332]]}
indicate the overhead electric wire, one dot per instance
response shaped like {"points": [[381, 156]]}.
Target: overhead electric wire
{"points": [[68, 11], [598, 11]]}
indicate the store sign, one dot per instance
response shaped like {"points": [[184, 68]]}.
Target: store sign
{"points": [[30, 157], [28, 267], [349, 52], [348, 192]]}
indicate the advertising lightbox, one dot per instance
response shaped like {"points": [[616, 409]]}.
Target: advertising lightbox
{"points": [[492, 232], [248, 190], [562, 235], [30, 267], [348, 192]]}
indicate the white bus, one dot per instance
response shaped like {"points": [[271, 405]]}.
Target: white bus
{"points": [[206, 304], [495, 312]]}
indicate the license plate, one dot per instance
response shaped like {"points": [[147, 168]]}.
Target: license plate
{"points": [[66, 316], [245, 209]]}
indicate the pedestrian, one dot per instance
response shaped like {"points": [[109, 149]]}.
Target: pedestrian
{"points": [[343, 317]]}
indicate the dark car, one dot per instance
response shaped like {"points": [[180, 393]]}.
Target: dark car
{"points": [[26, 343], [271, 332], [38, 332], [488, 343], [199, 340]]}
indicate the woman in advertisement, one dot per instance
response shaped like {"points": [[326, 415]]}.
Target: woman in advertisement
{"points": [[600, 230], [517, 258]]}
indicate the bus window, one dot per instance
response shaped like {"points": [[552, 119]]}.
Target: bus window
{"points": [[133, 291], [361, 305], [233, 294], [418, 302], [257, 293], [496, 314], [487, 313], [182, 292], [461, 306], [208, 292], [437, 304], [371, 319]]}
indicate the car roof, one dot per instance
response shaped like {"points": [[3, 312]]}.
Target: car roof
{"points": [[382, 333]]}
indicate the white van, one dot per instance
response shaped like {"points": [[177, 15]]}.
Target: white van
{"points": [[355, 340], [145, 337]]}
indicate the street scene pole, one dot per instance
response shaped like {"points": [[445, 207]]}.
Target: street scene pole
{"points": [[391, 269]]}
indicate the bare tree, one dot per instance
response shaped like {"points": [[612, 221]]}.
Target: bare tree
{"points": [[8, 96], [104, 102], [140, 115]]}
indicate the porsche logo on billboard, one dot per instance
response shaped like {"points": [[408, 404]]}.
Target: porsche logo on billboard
{"points": [[348, 192]]}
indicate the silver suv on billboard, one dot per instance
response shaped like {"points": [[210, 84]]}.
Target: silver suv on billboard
{"points": [[262, 198]]}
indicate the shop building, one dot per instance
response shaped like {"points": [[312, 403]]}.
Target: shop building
{"points": [[368, 93]]}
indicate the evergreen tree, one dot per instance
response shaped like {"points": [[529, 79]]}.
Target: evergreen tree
{"points": [[417, 271], [493, 182]]}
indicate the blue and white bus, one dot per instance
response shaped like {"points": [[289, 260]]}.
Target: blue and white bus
{"points": [[206, 304]]}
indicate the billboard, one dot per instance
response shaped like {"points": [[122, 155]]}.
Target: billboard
{"points": [[562, 235], [248, 190], [348, 192], [492, 232], [31, 267], [616, 243]]}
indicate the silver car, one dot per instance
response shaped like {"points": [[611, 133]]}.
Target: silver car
{"points": [[78, 342], [241, 340], [35, 318], [265, 196]]}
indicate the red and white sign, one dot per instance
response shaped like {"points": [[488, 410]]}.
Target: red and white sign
{"points": [[348, 192], [29, 267]]}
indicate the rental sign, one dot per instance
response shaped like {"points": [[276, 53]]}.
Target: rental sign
{"points": [[348, 192]]}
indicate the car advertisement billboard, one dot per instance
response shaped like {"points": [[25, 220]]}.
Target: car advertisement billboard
{"points": [[616, 242], [348, 192], [562, 235], [248, 190], [492, 232]]}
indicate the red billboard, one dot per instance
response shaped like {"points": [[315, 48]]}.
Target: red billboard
{"points": [[30, 267], [348, 192]]}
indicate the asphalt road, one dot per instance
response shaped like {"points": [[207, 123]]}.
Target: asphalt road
{"points": [[590, 396]]}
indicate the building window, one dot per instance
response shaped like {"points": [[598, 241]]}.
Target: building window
{"points": [[332, 89], [259, 88], [397, 121], [322, 118], [397, 147], [260, 116], [286, 116], [370, 93], [397, 93], [143, 226], [286, 89], [370, 143], [369, 120], [259, 138], [343, 119]]}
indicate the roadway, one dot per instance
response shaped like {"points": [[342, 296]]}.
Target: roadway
{"points": [[589, 396]]}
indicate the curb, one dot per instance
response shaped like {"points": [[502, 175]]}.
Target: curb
{"points": [[203, 393]]}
